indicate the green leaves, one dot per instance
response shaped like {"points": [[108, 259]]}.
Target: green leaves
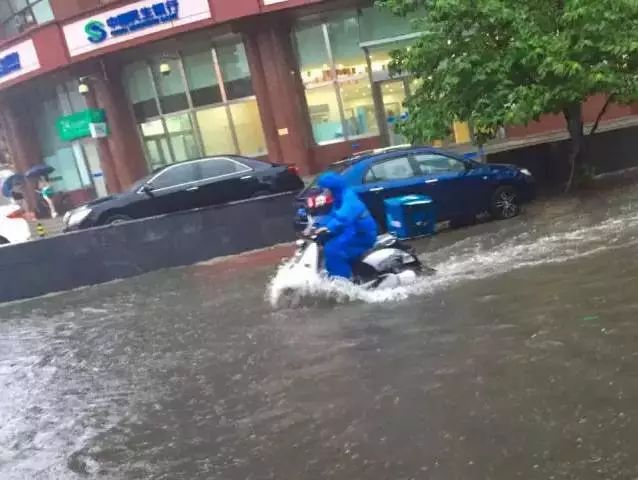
{"points": [[498, 62]]}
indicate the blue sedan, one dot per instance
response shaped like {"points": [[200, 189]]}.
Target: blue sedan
{"points": [[460, 187]]}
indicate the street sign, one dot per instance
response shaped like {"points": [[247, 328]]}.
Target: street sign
{"points": [[78, 125]]}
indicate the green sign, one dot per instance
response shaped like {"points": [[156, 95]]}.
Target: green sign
{"points": [[78, 125]]}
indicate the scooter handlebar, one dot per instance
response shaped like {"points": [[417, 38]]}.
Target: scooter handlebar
{"points": [[315, 233]]}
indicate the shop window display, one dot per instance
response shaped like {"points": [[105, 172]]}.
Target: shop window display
{"points": [[334, 72]]}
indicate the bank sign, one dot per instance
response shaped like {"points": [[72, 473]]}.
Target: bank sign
{"points": [[130, 22], [18, 60]]}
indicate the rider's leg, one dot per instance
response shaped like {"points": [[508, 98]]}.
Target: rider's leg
{"points": [[341, 252], [337, 260]]}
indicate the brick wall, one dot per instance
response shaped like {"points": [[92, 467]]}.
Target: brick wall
{"points": [[548, 123]]}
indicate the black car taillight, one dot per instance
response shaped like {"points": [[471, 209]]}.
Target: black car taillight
{"points": [[293, 169]]}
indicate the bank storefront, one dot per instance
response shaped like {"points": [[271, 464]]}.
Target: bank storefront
{"points": [[182, 93]]}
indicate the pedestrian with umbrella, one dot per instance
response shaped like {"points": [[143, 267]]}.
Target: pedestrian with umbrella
{"points": [[41, 174], [12, 184]]}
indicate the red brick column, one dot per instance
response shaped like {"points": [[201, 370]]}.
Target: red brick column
{"points": [[260, 87], [123, 141], [279, 92]]}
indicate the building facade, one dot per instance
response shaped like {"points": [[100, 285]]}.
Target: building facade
{"points": [[106, 91]]}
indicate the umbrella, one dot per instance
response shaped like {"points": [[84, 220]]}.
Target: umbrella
{"points": [[39, 171], [9, 183]]}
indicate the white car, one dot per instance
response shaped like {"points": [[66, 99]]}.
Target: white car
{"points": [[13, 226]]}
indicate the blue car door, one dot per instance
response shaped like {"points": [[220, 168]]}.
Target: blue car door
{"points": [[386, 178], [458, 189]]}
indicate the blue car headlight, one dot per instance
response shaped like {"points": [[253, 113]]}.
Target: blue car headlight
{"points": [[525, 172]]}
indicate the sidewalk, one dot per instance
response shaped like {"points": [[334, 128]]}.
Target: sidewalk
{"points": [[52, 226]]}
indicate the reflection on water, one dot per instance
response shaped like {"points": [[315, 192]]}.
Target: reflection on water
{"points": [[516, 361]]}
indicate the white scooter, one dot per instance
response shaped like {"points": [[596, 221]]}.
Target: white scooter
{"points": [[388, 264]]}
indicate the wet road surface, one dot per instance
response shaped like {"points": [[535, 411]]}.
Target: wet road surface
{"points": [[517, 361]]}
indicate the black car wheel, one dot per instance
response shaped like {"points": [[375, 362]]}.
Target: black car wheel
{"points": [[117, 219], [505, 203]]}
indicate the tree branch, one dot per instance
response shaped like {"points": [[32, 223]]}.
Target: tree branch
{"points": [[600, 114]]}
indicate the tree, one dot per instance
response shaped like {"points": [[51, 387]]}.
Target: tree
{"points": [[507, 62]]}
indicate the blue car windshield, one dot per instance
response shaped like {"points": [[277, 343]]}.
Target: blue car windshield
{"points": [[338, 167]]}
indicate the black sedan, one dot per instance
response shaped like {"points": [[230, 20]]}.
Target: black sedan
{"points": [[185, 186]]}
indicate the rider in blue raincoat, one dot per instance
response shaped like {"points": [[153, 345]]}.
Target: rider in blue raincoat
{"points": [[352, 228]]}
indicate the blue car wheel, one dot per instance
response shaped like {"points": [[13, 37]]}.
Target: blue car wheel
{"points": [[505, 203]]}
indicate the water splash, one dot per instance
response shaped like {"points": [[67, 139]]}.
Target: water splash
{"points": [[472, 258]]}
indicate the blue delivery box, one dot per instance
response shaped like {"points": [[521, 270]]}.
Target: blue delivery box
{"points": [[410, 216]]}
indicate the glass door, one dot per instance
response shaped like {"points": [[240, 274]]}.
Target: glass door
{"points": [[157, 151], [393, 94]]}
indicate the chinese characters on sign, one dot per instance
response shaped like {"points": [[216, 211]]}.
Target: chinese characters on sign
{"points": [[10, 63], [132, 21]]}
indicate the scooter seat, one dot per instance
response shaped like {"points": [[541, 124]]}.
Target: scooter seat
{"points": [[385, 240]]}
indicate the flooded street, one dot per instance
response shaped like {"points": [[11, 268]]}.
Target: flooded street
{"points": [[518, 360]]}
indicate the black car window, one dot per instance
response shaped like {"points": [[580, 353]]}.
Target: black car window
{"points": [[176, 175], [435, 163], [217, 167], [398, 168]]}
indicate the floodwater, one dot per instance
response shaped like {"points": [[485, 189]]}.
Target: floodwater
{"points": [[518, 360]]}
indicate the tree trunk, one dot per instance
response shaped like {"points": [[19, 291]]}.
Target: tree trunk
{"points": [[574, 116]]}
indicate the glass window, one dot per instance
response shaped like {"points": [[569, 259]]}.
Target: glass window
{"points": [[177, 175], [42, 12], [433, 163], [314, 62], [139, 87], [17, 15], [156, 143], [182, 138], [196, 117], [235, 72], [250, 134], [152, 128], [395, 169], [18, 5], [358, 108], [5, 11], [214, 127], [201, 78], [218, 167], [170, 88], [379, 23], [356, 115], [344, 42], [66, 175], [325, 118]]}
